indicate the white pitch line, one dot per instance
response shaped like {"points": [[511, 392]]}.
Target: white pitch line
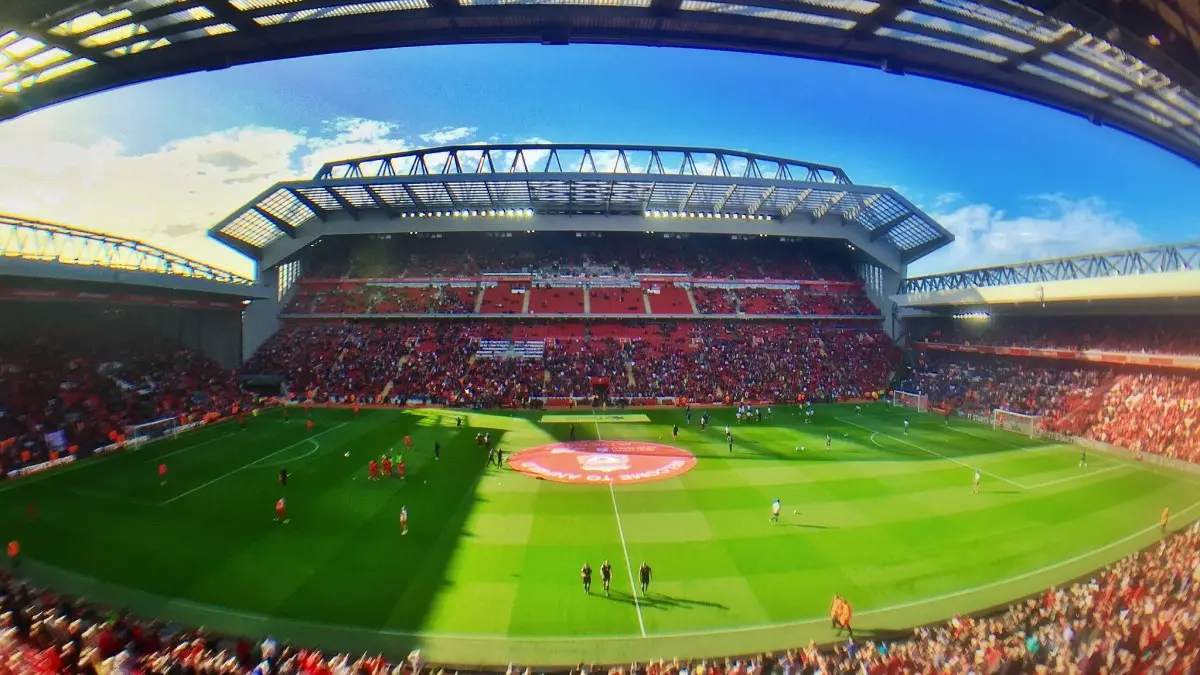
{"points": [[185, 449], [247, 466], [696, 633], [935, 454], [1068, 479], [310, 453], [637, 604]]}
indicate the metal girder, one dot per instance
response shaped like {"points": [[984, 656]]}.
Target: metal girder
{"points": [[34, 240], [552, 159], [319, 212], [380, 204], [550, 179], [346, 205], [823, 210], [248, 250], [881, 231], [1152, 260], [226, 12], [795, 203], [279, 223], [853, 212]]}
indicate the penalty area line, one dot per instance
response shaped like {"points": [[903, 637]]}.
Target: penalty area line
{"points": [[935, 454], [247, 466], [185, 449], [637, 604]]}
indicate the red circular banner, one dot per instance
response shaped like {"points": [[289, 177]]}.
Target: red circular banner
{"points": [[603, 462]]}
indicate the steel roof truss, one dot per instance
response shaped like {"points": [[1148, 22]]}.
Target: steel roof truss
{"points": [[346, 205], [319, 212], [279, 223]]}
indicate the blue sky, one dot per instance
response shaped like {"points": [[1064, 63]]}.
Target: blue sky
{"points": [[1012, 179]]}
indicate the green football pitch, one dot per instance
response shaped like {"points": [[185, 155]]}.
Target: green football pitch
{"points": [[489, 572]]}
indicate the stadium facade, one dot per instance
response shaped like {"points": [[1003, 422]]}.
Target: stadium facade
{"points": [[595, 189], [49, 270]]}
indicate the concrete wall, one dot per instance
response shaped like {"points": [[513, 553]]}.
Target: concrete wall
{"points": [[260, 320]]}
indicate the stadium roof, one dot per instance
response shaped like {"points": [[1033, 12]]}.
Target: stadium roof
{"points": [[1162, 259], [24, 241], [1134, 65], [499, 181]]}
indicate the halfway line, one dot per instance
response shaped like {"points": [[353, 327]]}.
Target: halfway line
{"points": [[624, 547], [247, 466]]}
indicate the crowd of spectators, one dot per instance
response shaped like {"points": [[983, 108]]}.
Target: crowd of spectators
{"points": [[1145, 412], [1136, 617], [1179, 336], [705, 361], [982, 384], [1148, 411], [80, 385]]}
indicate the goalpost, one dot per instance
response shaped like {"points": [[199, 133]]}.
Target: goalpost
{"points": [[1026, 425], [906, 399], [151, 430]]}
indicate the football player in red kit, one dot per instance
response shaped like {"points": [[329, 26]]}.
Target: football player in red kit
{"points": [[400, 469], [408, 442], [373, 470], [309, 425], [387, 465], [162, 473], [356, 410], [281, 511]]}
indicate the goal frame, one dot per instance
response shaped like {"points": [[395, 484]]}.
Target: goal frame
{"points": [[147, 431], [921, 400], [1034, 422]]}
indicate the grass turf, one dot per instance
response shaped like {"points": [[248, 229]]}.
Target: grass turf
{"points": [[489, 571]]}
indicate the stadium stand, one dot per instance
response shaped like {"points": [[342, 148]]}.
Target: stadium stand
{"points": [[1155, 411], [74, 376], [439, 363]]}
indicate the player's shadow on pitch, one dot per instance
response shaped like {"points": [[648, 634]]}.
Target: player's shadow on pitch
{"points": [[657, 601], [807, 526]]}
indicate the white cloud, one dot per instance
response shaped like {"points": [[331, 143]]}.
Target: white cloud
{"points": [[171, 195], [1057, 226], [447, 135]]}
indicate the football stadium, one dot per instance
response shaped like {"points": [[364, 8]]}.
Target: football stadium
{"points": [[577, 408]]}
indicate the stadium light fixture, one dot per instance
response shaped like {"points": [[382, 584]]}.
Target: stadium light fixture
{"points": [[973, 316]]}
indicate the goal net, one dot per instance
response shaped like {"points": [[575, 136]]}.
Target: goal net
{"points": [[151, 430], [1026, 425], [905, 399]]}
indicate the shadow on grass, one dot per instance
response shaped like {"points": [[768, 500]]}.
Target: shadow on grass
{"points": [[662, 602], [440, 493]]}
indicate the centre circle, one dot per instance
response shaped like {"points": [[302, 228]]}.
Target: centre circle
{"points": [[603, 462]]}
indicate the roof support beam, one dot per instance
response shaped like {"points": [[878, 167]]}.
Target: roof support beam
{"points": [[238, 245], [384, 206], [234, 17], [827, 206], [319, 212], [791, 207], [881, 231], [279, 223], [923, 249], [349, 208]]}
